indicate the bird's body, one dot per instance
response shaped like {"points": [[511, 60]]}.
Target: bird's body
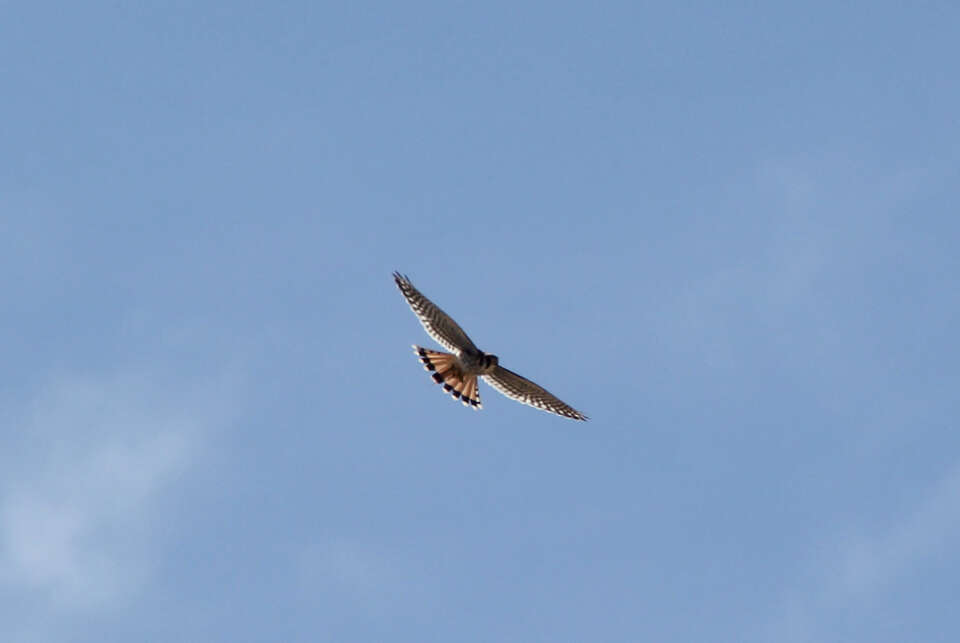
{"points": [[458, 371], [477, 363]]}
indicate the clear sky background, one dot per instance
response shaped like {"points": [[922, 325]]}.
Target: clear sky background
{"points": [[729, 235]]}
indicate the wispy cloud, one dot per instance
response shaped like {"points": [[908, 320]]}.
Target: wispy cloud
{"points": [[854, 571], [84, 465], [340, 574], [837, 237], [347, 566], [870, 564]]}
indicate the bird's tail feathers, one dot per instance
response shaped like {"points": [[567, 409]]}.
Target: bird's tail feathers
{"points": [[447, 373]]}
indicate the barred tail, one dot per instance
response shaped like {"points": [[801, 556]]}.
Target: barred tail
{"points": [[447, 372]]}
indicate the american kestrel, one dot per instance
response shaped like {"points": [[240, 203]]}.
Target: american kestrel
{"points": [[458, 372]]}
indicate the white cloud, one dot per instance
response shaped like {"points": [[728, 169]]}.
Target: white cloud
{"points": [[839, 221], [348, 566], [83, 469], [854, 571], [869, 565], [340, 574]]}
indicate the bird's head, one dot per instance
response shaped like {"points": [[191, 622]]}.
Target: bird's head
{"points": [[489, 361]]}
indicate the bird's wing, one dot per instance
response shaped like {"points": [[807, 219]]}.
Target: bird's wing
{"points": [[523, 390], [438, 324]]}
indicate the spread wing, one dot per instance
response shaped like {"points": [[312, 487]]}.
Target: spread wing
{"points": [[438, 324], [521, 389]]}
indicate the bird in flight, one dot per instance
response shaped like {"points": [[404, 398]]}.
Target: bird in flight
{"points": [[458, 372]]}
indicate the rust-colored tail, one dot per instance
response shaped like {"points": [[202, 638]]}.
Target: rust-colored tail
{"points": [[447, 372]]}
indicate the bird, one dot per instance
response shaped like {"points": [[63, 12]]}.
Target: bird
{"points": [[457, 371]]}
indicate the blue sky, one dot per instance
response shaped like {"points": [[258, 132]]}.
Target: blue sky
{"points": [[728, 235]]}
